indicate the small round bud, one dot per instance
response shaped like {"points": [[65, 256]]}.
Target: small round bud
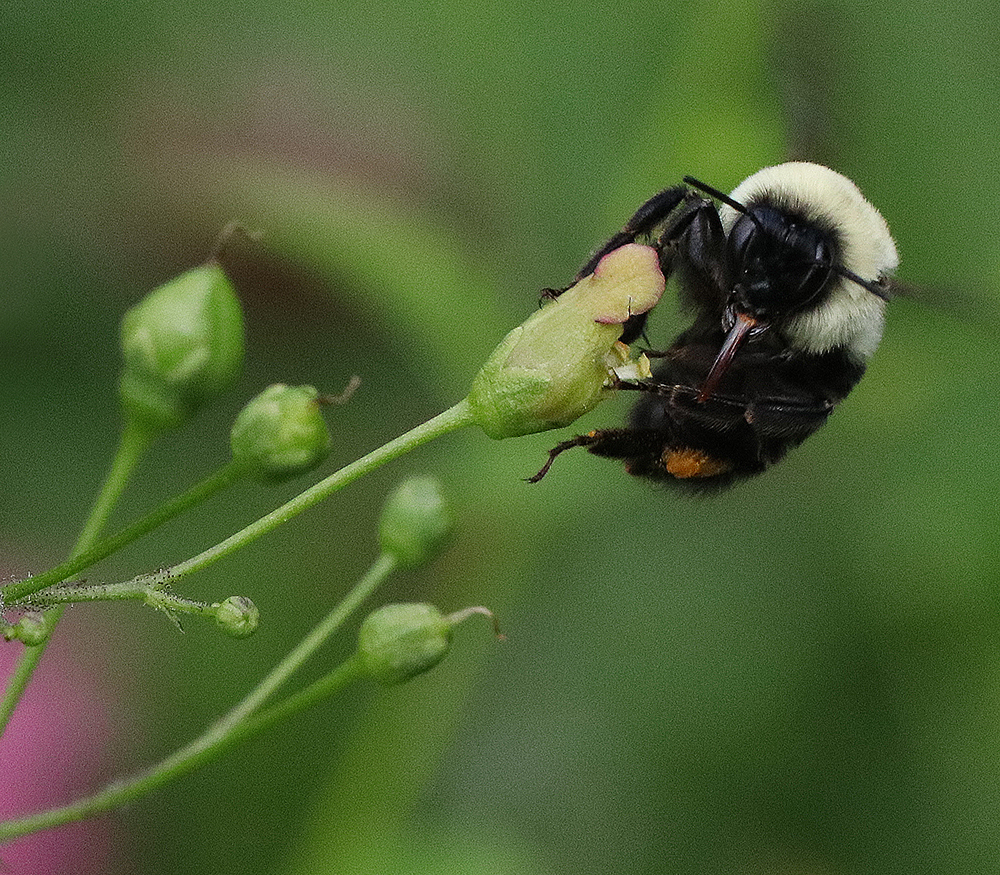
{"points": [[398, 642], [556, 366], [183, 346], [237, 616], [30, 628], [280, 433], [415, 522]]}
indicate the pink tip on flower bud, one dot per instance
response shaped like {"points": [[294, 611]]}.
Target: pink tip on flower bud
{"points": [[558, 364], [632, 267]]}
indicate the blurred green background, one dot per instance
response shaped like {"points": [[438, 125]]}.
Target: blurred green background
{"points": [[801, 676]]}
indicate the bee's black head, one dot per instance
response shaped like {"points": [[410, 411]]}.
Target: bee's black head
{"points": [[806, 252], [780, 263]]}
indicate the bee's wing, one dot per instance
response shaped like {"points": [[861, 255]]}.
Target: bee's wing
{"points": [[977, 309]]}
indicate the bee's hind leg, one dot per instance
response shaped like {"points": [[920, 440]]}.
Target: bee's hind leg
{"points": [[612, 443], [583, 440]]}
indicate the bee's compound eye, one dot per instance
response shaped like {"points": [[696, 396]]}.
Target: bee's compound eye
{"points": [[741, 243]]}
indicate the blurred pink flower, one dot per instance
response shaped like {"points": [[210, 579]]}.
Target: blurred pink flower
{"points": [[54, 751]]}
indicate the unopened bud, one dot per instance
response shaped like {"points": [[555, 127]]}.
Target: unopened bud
{"points": [[398, 642], [415, 522], [237, 616], [556, 366], [30, 629], [183, 346], [280, 433]]}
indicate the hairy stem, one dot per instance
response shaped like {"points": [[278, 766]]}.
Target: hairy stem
{"points": [[134, 441], [17, 592], [240, 723]]}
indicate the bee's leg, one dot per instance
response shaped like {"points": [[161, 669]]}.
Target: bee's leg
{"points": [[583, 440], [612, 443], [644, 221], [699, 243], [651, 387], [695, 238], [788, 418], [698, 219]]}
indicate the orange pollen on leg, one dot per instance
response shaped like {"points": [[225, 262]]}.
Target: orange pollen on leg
{"points": [[685, 462]]}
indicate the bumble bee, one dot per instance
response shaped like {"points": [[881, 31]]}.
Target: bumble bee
{"points": [[787, 280]]}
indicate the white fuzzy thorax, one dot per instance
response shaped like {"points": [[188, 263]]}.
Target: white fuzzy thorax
{"points": [[850, 316]]}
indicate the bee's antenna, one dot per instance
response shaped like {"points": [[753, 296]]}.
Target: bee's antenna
{"points": [[726, 199], [718, 195], [874, 286], [877, 288]]}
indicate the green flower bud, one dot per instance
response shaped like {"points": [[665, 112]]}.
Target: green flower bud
{"points": [[415, 522], [183, 345], [280, 433], [556, 366], [30, 629], [237, 616], [398, 642]]}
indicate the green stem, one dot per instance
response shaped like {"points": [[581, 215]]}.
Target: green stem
{"points": [[224, 477], [450, 420], [202, 750], [149, 589], [134, 441], [240, 723], [376, 574], [141, 585]]}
